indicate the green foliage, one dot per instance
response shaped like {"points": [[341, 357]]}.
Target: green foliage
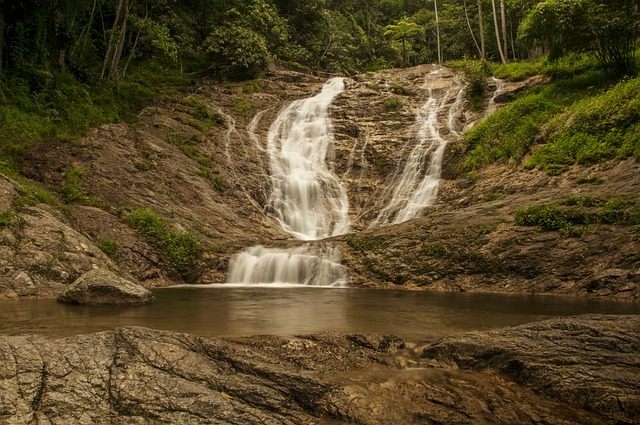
{"points": [[181, 248], [581, 210], [9, 219], [365, 243], [108, 245], [546, 217], [592, 130], [435, 250], [610, 30], [511, 132], [71, 188], [475, 75], [200, 109], [392, 104]]}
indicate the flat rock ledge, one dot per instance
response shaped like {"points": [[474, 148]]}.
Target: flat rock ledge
{"points": [[582, 370], [104, 287]]}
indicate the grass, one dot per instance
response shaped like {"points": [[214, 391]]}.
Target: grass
{"points": [[593, 130], [582, 117], [181, 249], [584, 211], [392, 104], [108, 245], [59, 106], [510, 133]]}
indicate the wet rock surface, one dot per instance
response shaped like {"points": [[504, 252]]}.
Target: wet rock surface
{"points": [[103, 287], [581, 370], [590, 361], [198, 159]]}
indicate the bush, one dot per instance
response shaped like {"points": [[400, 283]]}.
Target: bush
{"points": [[108, 245], [546, 217], [510, 133], [392, 104], [181, 249]]}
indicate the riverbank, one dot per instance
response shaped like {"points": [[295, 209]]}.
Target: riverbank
{"points": [[516, 375]]}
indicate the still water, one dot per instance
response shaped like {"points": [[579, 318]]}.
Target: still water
{"points": [[236, 311]]}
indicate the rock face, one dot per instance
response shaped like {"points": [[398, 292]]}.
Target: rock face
{"points": [[590, 361], [142, 376], [103, 287], [199, 159]]}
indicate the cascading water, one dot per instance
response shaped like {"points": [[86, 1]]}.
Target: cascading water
{"points": [[417, 186], [307, 199], [491, 107], [293, 266]]}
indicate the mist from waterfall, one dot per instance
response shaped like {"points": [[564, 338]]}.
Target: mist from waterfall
{"points": [[417, 186], [307, 199]]}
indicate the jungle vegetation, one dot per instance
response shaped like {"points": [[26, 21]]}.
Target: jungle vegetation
{"points": [[68, 65]]}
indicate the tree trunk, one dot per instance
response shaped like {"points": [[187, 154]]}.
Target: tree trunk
{"points": [[2, 26], [503, 16], [435, 7], [466, 15], [133, 48], [115, 63], [483, 51], [495, 24], [109, 53]]}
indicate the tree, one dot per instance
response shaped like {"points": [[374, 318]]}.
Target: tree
{"points": [[503, 19], [483, 51], [435, 8], [403, 30], [246, 37], [466, 15], [608, 29], [495, 24]]}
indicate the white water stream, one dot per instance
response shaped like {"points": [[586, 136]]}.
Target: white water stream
{"points": [[307, 199], [491, 107], [417, 186]]}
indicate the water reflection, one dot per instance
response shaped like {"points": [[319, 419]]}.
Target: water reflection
{"points": [[236, 311]]}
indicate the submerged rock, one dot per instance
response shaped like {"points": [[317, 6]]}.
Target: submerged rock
{"points": [[556, 372], [101, 286]]}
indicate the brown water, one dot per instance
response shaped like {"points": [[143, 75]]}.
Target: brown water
{"points": [[237, 311]]}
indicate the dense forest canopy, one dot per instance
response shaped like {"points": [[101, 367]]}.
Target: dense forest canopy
{"points": [[101, 39], [68, 65]]}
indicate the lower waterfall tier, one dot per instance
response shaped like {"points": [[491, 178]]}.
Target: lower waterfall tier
{"points": [[301, 265]]}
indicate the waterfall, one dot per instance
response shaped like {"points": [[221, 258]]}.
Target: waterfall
{"points": [[307, 199], [306, 265], [491, 107], [417, 186]]}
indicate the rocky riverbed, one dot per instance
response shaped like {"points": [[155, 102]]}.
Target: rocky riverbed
{"points": [[582, 370]]}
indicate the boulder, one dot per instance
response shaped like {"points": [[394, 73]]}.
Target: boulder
{"points": [[101, 287]]}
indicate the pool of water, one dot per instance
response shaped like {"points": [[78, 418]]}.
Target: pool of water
{"points": [[237, 311]]}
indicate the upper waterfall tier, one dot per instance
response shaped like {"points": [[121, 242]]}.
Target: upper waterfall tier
{"points": [[307, 198]]}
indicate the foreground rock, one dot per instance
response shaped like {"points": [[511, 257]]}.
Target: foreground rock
{"points": [[103, 287], [590, 361], [138, 375]]}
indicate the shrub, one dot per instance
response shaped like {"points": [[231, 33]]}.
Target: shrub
{"points": [[108, 245], [546, 217], [392, 104], [181, 249]]}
